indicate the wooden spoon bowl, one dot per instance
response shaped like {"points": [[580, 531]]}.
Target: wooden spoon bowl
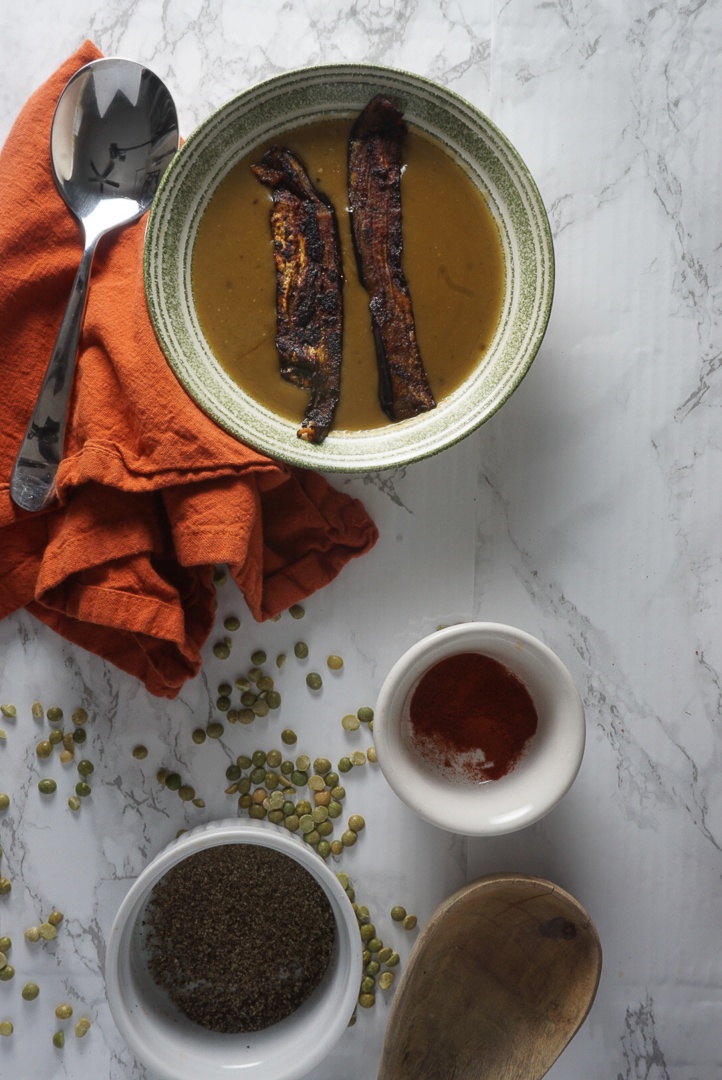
{"points": [[497, 984]]}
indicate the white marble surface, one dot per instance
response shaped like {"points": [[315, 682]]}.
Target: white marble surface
{"points": [[586, 512]]}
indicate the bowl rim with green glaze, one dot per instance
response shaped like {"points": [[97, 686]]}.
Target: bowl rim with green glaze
{"points": [[341, 91]]}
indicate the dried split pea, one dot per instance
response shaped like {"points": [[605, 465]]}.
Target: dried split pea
{"points": [[47, 931], [7, 973], [37, 710], [232, 623], [30, 991], [47, 787], [6, 1028], [9, 711], [64, 1011], [335, 663], [54, 714], [55, 917], [296, 611], [82, 1027], [79, 717], [386, 979], [314, 680], [59, 1040], [398, 913], [140, 752], [4, 801], [350, 722], [74, 803], [409, 923]]}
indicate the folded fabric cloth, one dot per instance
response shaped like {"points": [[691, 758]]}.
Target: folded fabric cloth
{"points": [[151, 493]]}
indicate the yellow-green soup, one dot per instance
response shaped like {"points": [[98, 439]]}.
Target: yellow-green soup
{"points": [[453, 262]]}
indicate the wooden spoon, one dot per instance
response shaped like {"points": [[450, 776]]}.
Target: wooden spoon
{"points": [[497, 984]]}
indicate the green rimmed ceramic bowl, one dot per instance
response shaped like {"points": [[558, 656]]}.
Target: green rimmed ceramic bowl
{"points": [[334, 92]]}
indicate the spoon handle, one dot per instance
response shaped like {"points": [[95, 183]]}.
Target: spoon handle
{"points": [[32, 484]]}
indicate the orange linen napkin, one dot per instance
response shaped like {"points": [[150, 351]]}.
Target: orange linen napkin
{"points": [[152, 493]]}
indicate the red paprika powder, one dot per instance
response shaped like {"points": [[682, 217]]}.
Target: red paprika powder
{"points": [[472, 717]]}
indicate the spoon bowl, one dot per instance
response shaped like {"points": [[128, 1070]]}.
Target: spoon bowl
{"points": [[497, 984], [114, 132]]}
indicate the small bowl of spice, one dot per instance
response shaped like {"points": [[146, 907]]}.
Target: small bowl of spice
{"points": [[480, 729], [236, 949]]}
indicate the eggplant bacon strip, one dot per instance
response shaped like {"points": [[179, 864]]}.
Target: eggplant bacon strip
{"points": [[309, 287], [375, 203]]}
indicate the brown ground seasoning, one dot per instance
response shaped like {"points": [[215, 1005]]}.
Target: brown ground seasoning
{"points": [[238, 936]]}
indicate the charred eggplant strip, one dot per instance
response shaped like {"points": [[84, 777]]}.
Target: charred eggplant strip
{"points": [[375, 202], [309, 286]]}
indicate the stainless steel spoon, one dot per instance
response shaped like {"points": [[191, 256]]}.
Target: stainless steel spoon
{"points": [[114, 132]]}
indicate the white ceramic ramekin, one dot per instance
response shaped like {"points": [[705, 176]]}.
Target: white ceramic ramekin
{"points": [[541, 777], [173, 1047]]}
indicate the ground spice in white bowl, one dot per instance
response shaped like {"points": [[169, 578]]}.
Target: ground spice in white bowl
{"points": [[238, 936], [169, 1044]]}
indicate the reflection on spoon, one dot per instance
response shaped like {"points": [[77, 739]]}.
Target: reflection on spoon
{"points": [[114, 132]]}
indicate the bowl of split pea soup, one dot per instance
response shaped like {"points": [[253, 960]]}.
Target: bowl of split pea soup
{"points": [[256, 340], [480, 729], [235, 952]]}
